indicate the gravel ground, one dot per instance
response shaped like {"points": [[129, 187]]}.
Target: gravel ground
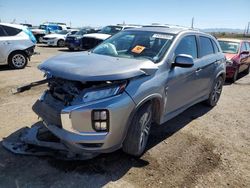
{"points": [[202, 147]]}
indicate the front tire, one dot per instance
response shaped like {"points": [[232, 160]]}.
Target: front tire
{"points": [[214, 96], [138, 132], [247, 71], [60, 43], [235, 76], [17, 60]]}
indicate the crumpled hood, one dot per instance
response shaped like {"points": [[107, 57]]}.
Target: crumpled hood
{"points": [[86, 66], [229, 56]]}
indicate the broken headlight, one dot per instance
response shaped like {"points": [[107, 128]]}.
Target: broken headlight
{"points": [[229, 63], [105, 92]]}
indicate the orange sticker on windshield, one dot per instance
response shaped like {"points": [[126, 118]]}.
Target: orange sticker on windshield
{"points": [[138, 49]]}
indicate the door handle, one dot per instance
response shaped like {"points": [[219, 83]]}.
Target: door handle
{"points": [[198, 70], [6, 42]]}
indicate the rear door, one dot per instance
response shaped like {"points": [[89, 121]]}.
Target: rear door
{"points": [[9, 40], [244, 58], [4, 45], [207, 63]]}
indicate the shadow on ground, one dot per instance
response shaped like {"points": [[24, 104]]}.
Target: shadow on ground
{"points": [[28, 171]]}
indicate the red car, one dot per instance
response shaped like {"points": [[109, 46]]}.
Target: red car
{"points": [[237, 53]]}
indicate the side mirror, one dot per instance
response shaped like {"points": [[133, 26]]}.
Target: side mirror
{"points": [[244, 53], [184, 61]]}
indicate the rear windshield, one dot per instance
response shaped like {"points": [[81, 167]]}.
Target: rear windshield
{"points": [[229, 47]]}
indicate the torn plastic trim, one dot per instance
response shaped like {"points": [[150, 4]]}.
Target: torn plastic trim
{"points": [[25, 142]]}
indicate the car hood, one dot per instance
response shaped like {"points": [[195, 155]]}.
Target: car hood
{"points": [[54, 35], [229, 56], [40, 31], [87, 66], [74, 36], [97, 36]]}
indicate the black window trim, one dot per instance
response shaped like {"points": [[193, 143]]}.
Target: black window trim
{"points": [[196, 41], [199, 36], [6, 34]]}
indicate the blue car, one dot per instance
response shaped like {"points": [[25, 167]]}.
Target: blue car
{"points": [[73, 42]]}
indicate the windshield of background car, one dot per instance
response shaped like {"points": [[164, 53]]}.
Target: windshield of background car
{"points": [[229, 47], [111, 30], [42, 27], [81, 32], [136, 44], [63, 32]]}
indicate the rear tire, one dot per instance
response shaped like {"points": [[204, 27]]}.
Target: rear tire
{"points": [[138, 132], [40, 39], [17, 60], [214, 95]]}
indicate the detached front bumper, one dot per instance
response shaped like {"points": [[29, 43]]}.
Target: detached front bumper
{"points": [[74, 125]]}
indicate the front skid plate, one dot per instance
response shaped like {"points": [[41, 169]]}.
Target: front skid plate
{"points": [[24, 141]]}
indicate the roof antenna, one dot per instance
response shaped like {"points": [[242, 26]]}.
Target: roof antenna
{"points": [[192, 23]]}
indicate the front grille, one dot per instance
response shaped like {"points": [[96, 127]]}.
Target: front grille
{"points": [[89, 43], [49, 110]]}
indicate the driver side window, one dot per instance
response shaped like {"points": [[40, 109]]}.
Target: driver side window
{"points": [[187, 45]]}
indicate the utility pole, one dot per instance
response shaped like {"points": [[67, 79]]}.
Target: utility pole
{"points": [[248, 28], [192, 23]]}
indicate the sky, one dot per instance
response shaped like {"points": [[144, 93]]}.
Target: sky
{"points": [[206, 13]]}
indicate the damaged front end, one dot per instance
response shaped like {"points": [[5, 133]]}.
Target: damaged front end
{"points": [[75, 138]]}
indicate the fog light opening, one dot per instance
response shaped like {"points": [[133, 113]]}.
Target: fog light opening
{"points": [[100, 120]]}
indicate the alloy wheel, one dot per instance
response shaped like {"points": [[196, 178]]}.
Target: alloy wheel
{"points": [[18, 60]]}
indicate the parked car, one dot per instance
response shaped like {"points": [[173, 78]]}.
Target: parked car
{"points": [[47, 28], [91, 40], [108, 98], [237, 53], [58, 38], [17, 45], [73, 41]]}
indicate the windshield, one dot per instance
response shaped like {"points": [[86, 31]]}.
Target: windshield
{"points": [[42, 27], [63, 32], [111, 30], [229, 47], [81, 32], [136, 44]]}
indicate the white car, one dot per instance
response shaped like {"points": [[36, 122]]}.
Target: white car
{"points": [[93, 39], [57, 39], [17, 45]]}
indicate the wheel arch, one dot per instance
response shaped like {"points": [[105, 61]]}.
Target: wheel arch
{"points": [[156, 100], [22, 51]]}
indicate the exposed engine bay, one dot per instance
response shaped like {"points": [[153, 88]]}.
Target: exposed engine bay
{"points": [[60, 94]]}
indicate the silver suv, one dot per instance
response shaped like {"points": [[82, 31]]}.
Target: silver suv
{"points": [[108, 98]]}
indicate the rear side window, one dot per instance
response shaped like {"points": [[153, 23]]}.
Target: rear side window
{"points": [[247, 46], [216, 48], [2, 32], [187, 46], [11, 31], [243, 47], [206, 46]]}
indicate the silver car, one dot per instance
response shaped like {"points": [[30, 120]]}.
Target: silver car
{"points": [[108, 98]]}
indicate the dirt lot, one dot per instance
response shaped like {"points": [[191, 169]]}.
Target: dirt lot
{"points": [[202, 147]]}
